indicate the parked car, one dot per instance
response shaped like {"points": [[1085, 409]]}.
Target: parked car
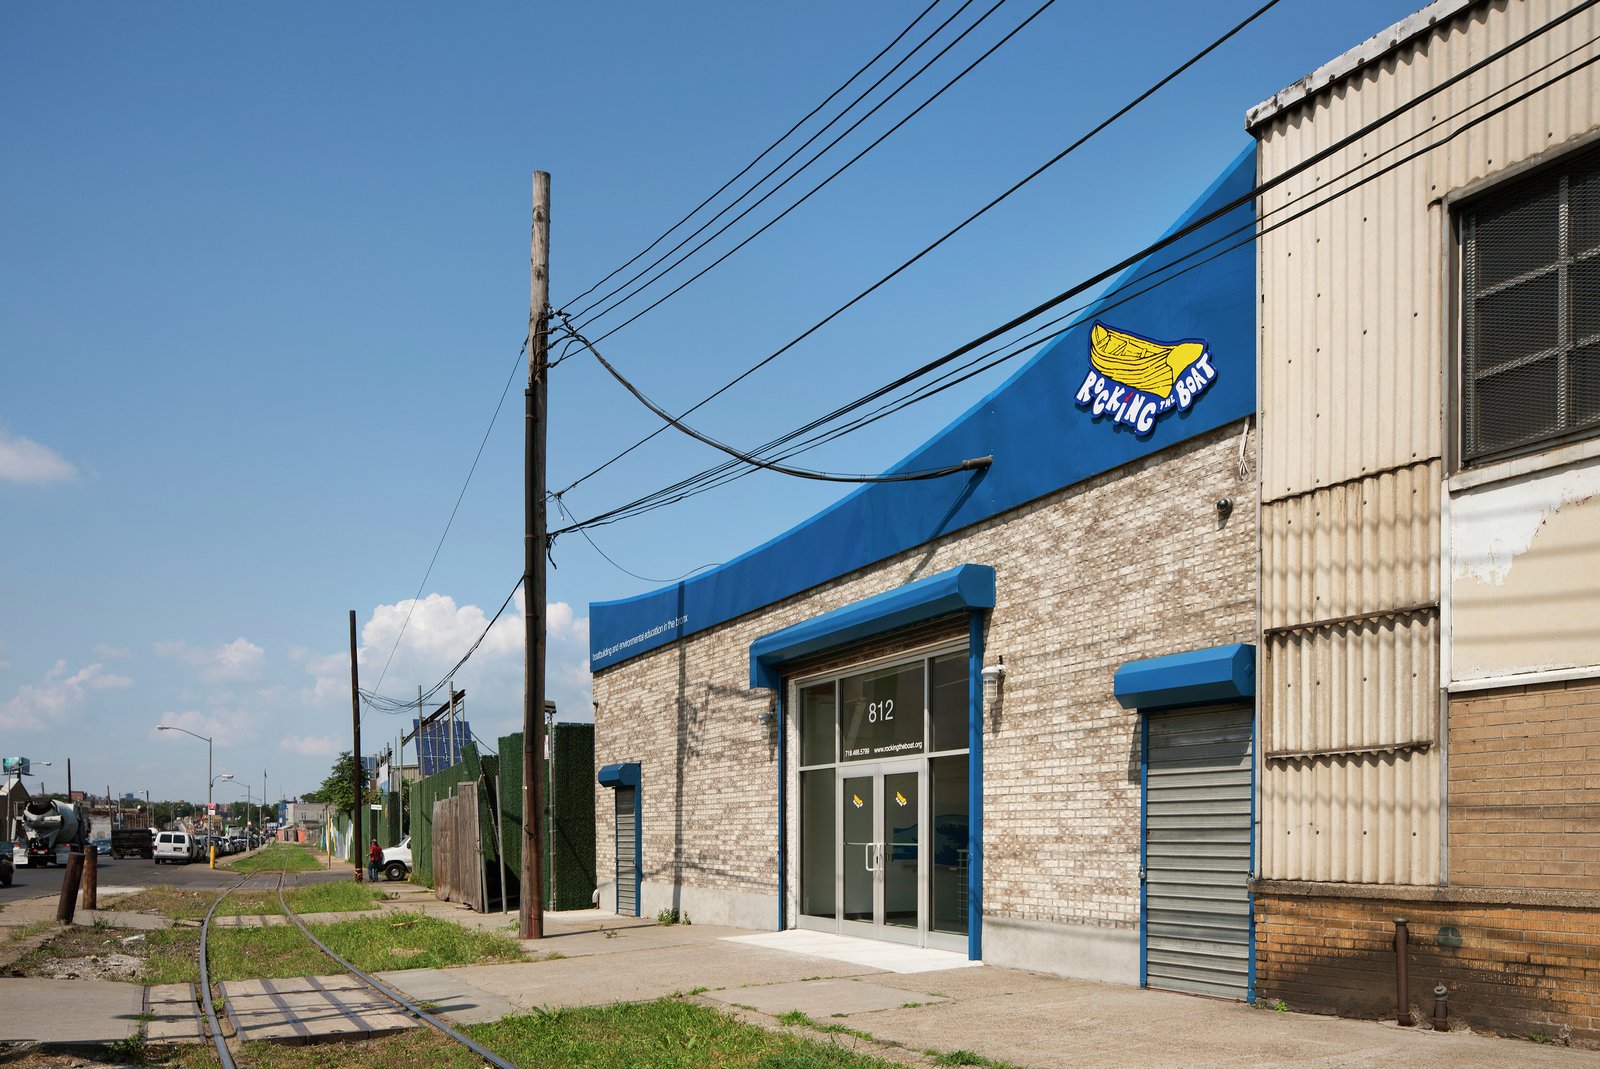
{"points": [[176, 847], [101, 846], [397, 860]]}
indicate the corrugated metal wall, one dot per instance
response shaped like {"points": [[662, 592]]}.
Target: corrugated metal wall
{"points": [[1353, 345]]}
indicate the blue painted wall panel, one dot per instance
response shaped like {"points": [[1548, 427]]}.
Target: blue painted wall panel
{"points": [[1040, 438]]}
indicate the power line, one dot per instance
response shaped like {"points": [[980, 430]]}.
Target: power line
{"points": [[386, 704], [718, 476], [785, 136], [820, 185], [970, 464], [611, 561], [454, 509], [1057, 158]]}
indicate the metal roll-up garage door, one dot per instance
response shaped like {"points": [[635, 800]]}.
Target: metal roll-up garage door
{"points": [[1197, 851], [627, 853]]}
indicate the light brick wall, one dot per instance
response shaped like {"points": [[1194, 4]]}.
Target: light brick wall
{"points": [[1525, 787], [1509, 969], [1132, 564]]}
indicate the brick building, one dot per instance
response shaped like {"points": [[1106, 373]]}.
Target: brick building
{"points": [[974, 712], [1430, 511]]}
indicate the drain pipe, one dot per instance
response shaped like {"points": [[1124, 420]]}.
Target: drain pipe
{"points": [[1441, 1010], [1402, 1004]]}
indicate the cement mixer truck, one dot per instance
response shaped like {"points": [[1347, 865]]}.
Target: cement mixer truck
{"points": [[46, 830]]}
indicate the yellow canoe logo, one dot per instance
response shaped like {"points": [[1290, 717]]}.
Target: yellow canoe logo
{"points": [[902, 799], [1133, 379], [856, 798]]}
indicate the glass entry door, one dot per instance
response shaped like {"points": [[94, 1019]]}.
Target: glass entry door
{"points": [[881, 851]]}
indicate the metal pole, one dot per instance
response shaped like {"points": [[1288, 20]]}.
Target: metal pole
{"points": [[355, 722], [535, 545], [211, 849]]}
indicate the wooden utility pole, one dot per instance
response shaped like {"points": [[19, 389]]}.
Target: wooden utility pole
{"points": [[531, 914], [358, 843]]}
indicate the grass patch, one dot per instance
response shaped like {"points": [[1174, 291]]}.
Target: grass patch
{"points": [[801, 1019], [666, 1034], [166, 957], [182, 904], [386, 941], [278, 857], [968, 1057]]}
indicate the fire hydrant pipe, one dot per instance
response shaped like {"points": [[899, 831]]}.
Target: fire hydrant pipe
{"points": [[1441, 1009], [1402, 1004]]}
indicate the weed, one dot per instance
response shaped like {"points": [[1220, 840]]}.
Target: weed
{"points": [[609, 933], [960, 1057], [911, 1005], [801, 1019], [554, 955], [668, 917], [1541, 1036], [1275, 1005]]}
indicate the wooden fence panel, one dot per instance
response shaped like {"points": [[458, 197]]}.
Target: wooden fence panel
{"points": [[457, 852]]}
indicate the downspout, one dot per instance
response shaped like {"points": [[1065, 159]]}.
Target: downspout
{"points": [[975, 787]]}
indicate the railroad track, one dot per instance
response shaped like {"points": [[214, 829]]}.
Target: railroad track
{"points": [[403, 1004]]}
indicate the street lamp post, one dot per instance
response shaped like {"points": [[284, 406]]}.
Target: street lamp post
{"points": [[209, 779]]}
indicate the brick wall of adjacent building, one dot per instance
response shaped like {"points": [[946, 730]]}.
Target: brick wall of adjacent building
{"points": [[1132, 564], [1524, 795], [1525, 969]]}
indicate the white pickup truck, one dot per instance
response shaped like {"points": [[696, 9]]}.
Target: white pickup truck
{"points": [[397, 860]]}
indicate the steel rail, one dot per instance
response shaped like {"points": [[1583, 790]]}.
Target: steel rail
{"points": [[394, 996], [220, 1041]]}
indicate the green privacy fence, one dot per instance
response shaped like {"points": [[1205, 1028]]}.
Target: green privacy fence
{"points": [[569, 838], [570, 842]]}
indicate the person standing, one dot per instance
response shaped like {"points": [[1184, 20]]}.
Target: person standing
{"points": [[374, 861]]}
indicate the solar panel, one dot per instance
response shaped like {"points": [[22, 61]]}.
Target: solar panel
{"points": [[434, 747]]}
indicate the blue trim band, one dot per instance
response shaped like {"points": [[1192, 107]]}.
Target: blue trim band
{"points": [[1046, 428], [970, 586], [783, 813], [1221, 673], [975, 789]]}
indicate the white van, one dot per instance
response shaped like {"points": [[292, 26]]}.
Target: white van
{"points": [[174, 846]]}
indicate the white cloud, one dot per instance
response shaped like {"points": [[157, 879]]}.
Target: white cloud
{"points": [[56, 695], [311, 745], [112, 653], [5, 660], [226, 727], [439, 632], [23, 460], [233, 661]]}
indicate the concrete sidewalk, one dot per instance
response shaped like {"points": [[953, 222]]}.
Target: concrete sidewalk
{"points": [[917, 1000], [904, 998]]}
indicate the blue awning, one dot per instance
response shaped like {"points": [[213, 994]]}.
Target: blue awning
{"points": [[1221, 673], [968, 587], [622, 774]]}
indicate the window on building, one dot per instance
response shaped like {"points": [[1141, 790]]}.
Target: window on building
{"points": [[1531, 312]]}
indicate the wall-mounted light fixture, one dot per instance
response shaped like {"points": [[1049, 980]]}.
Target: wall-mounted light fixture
{"points": [[994, 676]]}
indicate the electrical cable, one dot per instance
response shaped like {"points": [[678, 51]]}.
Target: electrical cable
{"points": [[880, 139], [1189, 228], [454, 509], [785, 136], [387, 704], [970, 464], [925, 391], [609, 560], [1058, 157]]}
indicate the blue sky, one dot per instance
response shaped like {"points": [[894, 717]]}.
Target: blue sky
{"points": [[264, 274]]}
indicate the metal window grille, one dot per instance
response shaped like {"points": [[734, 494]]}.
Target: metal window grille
{"points": [[1531, 312]]}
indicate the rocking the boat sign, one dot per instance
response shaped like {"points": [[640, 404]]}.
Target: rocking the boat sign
{"points": [[1134, 380]]}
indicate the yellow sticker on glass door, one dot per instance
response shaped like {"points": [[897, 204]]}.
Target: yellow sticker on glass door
{"points": [[856, 798]]}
